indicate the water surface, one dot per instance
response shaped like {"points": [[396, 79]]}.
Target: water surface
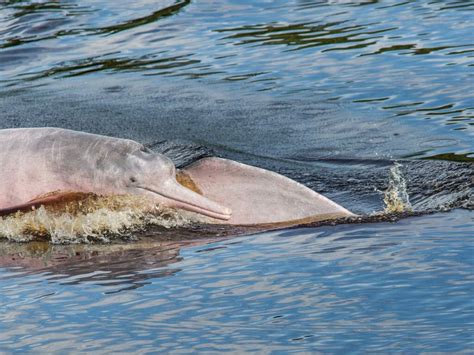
{"points": [[334, 94], [381, 287]]}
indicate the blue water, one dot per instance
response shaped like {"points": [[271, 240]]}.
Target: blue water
{"points": [[405, 286], [329, 93]]}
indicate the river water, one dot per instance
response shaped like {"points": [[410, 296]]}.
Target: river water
{"points": [[351, 98]]}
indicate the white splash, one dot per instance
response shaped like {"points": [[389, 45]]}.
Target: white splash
{"points": [[99, 219], [396, 196]]}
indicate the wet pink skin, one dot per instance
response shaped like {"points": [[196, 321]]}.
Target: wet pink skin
{"points": [[25, 171], [258, 196], [37, 161]]}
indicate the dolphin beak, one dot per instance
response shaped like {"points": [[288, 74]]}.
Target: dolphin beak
{"points": [[172, 194]]}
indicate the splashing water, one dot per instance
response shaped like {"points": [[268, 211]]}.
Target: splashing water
{"points": [[396, 197], [94, 219]]}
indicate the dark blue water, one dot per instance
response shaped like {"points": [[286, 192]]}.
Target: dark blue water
{"points": [[329, 93]]}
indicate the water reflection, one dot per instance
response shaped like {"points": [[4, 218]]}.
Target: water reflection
{"points": [[154, 16], [110, 63], [262, 76], [379, 287], [125, 263], [32, 22], [38, 21], [389, 55], [116, 266], [305, 35]]}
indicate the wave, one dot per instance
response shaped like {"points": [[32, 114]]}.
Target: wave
{"points": [[95, 219]]}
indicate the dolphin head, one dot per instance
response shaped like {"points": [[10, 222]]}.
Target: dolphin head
{"points": [[153, 175]]}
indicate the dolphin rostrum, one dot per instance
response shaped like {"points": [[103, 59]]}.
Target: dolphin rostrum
{"points": [[39, 166]]}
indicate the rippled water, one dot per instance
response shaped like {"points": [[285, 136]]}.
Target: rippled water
{"points": [[381, 287], [384, 53], [334, 94]]}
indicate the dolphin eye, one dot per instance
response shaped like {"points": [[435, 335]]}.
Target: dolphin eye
{"points": [[133, 179]]}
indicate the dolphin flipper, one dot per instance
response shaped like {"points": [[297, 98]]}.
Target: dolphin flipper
{"points": [[52, 199], [260, 197]]}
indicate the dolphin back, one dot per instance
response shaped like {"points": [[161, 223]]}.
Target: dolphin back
{"points": [[260, 197]]}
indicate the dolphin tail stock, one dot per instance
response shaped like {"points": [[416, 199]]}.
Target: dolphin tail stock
{"points": [[259, 197]]}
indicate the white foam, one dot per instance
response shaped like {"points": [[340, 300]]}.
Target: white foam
{"points": [[396, 196], [97, 219]]}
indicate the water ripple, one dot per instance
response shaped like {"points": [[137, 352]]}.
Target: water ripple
{"points": [[378, 287], [381, 55]]}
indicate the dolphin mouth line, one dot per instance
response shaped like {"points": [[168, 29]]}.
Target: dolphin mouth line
{"points": [[191, 206]]}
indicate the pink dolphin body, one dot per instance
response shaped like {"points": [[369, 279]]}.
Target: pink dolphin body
{"points": [[43, 165], [259, 196]]}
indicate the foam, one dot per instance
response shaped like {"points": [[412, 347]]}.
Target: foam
{"points": [[95, 219], [396, 197]]}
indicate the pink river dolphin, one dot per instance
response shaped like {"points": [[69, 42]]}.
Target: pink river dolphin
{"points": [[42, 166]]}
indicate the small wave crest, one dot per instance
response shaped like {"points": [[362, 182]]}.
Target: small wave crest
{"points": [[396, 197], [95, 219]]}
